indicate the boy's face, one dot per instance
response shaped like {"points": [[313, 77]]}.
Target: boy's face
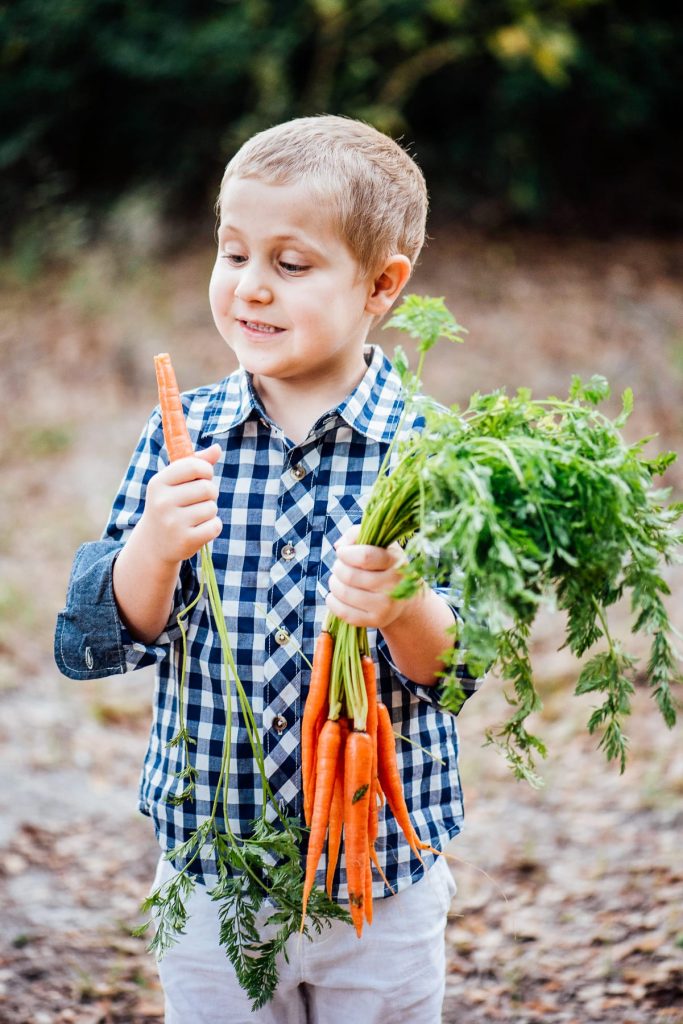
{"points": [[286, 292]]}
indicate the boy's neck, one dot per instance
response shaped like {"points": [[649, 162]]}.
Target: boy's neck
{"points": [[295, 407]]}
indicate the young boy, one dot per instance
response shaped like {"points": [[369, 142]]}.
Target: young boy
{"points": [[321, 221]]}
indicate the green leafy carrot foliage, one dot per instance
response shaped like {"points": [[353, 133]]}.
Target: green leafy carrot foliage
{"points": [[260, 908], [167, 907], [520, 503]]}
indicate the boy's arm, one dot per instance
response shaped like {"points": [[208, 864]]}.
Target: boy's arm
{"points": [[417, 630], [143, 588], [180, 516], [420, 635]]}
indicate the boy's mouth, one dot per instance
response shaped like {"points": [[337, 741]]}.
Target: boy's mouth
{"points": [[257, 327]]}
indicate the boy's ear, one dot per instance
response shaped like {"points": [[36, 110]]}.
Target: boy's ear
{"points": [[388, 284]]}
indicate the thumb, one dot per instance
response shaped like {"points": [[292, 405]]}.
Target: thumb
{"points": [[210, 455]]}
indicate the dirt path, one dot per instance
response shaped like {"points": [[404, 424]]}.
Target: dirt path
{"points": [[580, 919], [577, 919]]}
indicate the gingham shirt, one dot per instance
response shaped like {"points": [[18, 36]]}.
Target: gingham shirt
{"points": [[283, 505]]}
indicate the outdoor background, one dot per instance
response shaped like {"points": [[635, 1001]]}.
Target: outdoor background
{"points": [[549, 134]]}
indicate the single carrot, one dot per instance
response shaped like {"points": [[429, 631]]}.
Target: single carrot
{"points": [[375, 860], [367, 906], [357, 781], [370, 679], [336, 822], [176, 435], [390, 780], [326, 771], [376, 796], [314, 710]]}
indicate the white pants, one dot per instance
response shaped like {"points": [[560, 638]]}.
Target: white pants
{"points": [[394, 974]]}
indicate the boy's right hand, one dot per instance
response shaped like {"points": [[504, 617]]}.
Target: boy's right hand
{"points": [[181, 508]]}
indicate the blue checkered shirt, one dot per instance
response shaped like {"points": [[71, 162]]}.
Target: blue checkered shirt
{"points": [[283, 505]]}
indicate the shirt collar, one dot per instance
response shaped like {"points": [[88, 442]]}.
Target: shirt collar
{"points": [[375, 405], [232, 402], [373, 408]]}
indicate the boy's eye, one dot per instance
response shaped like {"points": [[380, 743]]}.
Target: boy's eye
{"points": [[235, 258], [293, 268]]}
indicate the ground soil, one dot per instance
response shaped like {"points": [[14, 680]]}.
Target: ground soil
{"points": [[569, 901]]}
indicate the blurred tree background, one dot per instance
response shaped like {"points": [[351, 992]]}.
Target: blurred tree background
{"points": [[553, 112], [548, 133]]}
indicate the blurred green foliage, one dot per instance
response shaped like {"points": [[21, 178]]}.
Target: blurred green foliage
{"points": [[557, 111]]}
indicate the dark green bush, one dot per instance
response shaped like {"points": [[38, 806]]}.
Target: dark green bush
{"points": [[560, 111]]}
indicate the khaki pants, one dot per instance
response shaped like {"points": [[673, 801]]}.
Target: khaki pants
{"points": [[394, 974]]}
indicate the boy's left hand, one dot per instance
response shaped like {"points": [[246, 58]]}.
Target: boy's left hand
{"points": [[363, 578]]}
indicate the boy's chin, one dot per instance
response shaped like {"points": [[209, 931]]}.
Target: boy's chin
{"points": [[259, 367]]}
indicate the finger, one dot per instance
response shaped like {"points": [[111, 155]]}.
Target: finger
{"points": [[374, 581], [191, 468], [200, 512], [354, 616], [193, 491], [367, 556], [211, 454], [204, 533], [363, 601], [350, 536]]}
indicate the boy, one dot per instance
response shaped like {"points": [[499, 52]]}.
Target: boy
{"points": [[321, 221]]}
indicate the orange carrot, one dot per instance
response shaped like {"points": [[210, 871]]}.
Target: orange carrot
{"points": [[390, 780], [314, 710], [375, 860], [326, 771], [367, 907], [357, 783], [370, 679], [336, 822], [178, 442]]}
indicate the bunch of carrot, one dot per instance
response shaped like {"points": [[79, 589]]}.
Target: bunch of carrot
{"points": [[349, 769], [349, 764]]}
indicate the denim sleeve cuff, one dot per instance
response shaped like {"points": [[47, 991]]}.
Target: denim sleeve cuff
{"points": [[88, 635], [90, 640]]}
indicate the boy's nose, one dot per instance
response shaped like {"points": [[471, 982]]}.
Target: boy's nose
{"points": [[252, 287]]}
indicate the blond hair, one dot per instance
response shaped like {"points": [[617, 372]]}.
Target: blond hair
{"points": [[376, 191]]}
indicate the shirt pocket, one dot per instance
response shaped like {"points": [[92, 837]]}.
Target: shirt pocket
{"points": [[344, 510]]}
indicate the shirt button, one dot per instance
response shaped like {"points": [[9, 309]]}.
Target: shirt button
{"points": [[279, 723], [298, 472], [281, 637], [288, 552]]}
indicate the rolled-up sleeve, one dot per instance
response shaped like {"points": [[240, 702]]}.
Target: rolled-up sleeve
{"points": [[88, 640]]}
